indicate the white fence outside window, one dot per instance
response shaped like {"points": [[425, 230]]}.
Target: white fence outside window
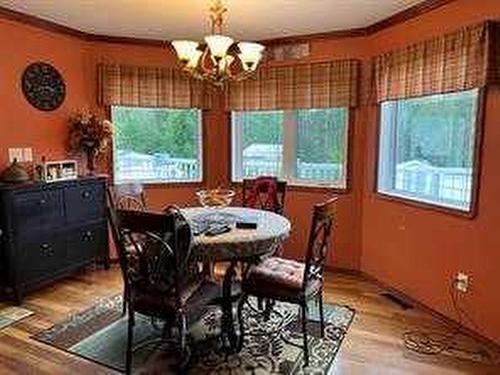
{"points": [[132, 166], [450, 185], [447, 185]]}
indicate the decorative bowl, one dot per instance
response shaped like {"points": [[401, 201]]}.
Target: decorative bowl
{"points": [[215, 198]]}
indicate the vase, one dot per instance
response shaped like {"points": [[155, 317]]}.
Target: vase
{"points": [[91, 156]]}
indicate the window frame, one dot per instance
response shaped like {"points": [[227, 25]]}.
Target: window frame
{"points": [[298, 185], [472, 212], [151, 183]]}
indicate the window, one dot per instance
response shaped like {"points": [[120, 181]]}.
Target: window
{"points": [[157, 145], [307, 147], [427, 148]]}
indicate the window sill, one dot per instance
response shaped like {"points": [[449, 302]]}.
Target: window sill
{"points": [[471, 214], [308, 187], [165, 184]]}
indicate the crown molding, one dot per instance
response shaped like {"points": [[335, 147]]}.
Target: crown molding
{"points": [[408, 14], [43, 24], [125, 40], [337, 34], [403, 16], [40, 23]]}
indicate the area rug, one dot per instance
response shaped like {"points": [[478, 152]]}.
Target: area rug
{"points": [[12, 314], [270, 347]]}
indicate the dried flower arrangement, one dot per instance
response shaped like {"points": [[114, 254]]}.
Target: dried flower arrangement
{"points": [[90, 134]]}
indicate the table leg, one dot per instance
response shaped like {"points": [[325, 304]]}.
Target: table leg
{"points": [[229, 334]]}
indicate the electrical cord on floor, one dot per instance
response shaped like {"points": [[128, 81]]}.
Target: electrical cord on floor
{"points": [[454, 343]]}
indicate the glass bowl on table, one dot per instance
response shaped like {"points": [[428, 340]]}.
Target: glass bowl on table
{"points": [[214, 200]]}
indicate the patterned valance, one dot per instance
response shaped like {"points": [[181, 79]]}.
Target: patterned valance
{"points": [[317, 85], [493, 37], [149, 87], [462, 60]]}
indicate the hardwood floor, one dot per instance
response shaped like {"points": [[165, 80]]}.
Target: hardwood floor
{"points": [[373, 344]]}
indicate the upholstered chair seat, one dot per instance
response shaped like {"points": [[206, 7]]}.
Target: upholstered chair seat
{"points": [[278, 277]]}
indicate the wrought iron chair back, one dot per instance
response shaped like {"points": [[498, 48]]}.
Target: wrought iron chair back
{"points": [[161, 245], [319, 241], [265, 193], [126, 202], [130, 197]]}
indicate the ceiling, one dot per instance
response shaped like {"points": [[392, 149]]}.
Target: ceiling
{"points": [[179, 19]]}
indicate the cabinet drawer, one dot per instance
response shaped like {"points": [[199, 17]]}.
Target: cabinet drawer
{"points": [[38, 210], [41, 256], [84, 202], [87, 242]]}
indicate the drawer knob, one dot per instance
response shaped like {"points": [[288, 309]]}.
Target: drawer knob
{"points": [[42, 202], [87, 236], [86, 194], [46, 249]]}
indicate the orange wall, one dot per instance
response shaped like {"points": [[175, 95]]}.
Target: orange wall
{"points": [[21, 125], [415, 250], [418, 251]]}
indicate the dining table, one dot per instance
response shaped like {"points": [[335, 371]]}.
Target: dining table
{"points": [[262, 235]]}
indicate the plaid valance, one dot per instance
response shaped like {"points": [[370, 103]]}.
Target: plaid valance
{"points": [[493, 67], [462, 60], [138, 86], [316, 85]]}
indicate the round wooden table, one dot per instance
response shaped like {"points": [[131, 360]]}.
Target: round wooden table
{"points": [[238, 244], [235, 246]]}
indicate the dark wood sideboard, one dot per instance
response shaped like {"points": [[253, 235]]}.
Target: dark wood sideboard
{"points": [[49, 230]]}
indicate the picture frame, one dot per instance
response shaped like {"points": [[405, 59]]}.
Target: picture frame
{"points": [[53, 171]]}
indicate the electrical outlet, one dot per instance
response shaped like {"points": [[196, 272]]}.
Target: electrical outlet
{"points": [[462, 282], [27, 155], [16, 153]]}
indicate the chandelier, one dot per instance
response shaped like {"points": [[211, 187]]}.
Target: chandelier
{"points": [[219, 58]]}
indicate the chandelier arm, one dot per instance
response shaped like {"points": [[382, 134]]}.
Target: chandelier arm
{"points": [[242, 76], [203, 64], [229, 73]]}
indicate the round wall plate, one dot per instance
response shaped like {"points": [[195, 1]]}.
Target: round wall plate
{"points": [[43, 86]]}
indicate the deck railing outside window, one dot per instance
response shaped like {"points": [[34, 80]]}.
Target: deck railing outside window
{"points": [[306, 146], [157, 145]]}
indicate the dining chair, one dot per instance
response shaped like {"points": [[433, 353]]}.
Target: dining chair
{"points": [[286, 280], [130, 196], [160, 280], [265, 193]]}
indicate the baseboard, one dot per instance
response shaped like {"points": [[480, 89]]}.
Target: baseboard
{"points": [[343, 271], [436, 314]]}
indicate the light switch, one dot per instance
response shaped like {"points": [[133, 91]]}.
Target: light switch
{"points": [[28, 155], [15, 153]]}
